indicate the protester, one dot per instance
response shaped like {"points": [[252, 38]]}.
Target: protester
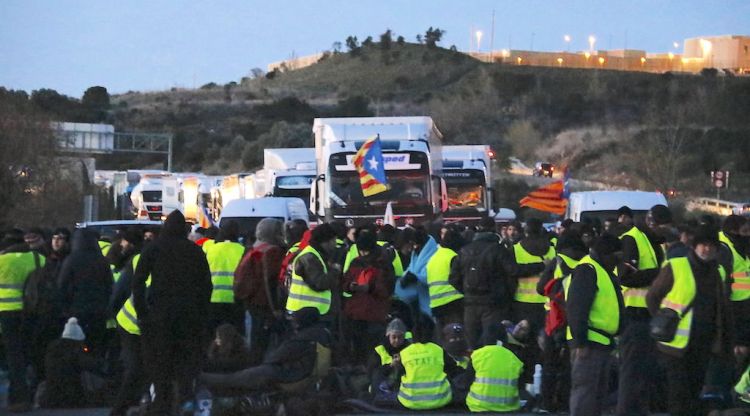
{"points": [[174, 319], [228, 352], [383, 360], [691, 289], [312, 280], [446, 303], [223, 258]]}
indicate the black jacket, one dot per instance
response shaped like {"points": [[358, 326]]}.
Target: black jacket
{"points": [[180, 278], [479, 274], [310, 269], [85, 279], [296, 357], [537, 246], [581, 294]]}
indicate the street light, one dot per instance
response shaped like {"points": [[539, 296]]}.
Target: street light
{"points": [[566, 38], [559, 61], [676, 45], [519, 60], [601, 61], [478, 34], [643, 60], [592, 41]]}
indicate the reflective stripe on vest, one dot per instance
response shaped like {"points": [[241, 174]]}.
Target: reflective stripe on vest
{"points": [[14, 270], [604, 315], [678, 299], [385, 358], [635, 297], [223, 259], [301, 295], [438, 271], [424, 384], [740, 272], [526, 290], [127, 317], [495, 386]]}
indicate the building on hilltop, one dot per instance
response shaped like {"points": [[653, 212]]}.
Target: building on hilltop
{"points": [[728, 52]]}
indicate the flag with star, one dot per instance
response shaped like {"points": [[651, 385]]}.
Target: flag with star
{"points": [[369, 164]]}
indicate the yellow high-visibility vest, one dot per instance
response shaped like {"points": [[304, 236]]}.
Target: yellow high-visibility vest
{"points": [[127, 317], [635, 297], [223, 259], [740, 272], [605, 311], [526, 290], [424, 384], [438, 271], [14, 270], [301, 295], [495, 386]]}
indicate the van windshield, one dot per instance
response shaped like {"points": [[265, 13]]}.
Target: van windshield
{"points": [[151, 196], [247, 224]]}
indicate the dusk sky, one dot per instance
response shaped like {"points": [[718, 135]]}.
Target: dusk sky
{"points": [[149, 45]]}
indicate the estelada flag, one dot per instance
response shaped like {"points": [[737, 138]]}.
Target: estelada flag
{"points": [[369, 164], [549, 198]]}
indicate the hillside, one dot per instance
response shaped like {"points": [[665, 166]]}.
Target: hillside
{"points": [[640, 130]]}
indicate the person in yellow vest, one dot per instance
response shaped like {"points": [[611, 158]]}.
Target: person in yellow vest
{"points": [[17, 261], [312, 278], [528, 260], [223, 258], [742, 392], [382, 362], [639, 372], [494, 371], [555, 354], [594, 306], [692, 288], [133, 381], [425, 369], [733, 255], [446, 302]]}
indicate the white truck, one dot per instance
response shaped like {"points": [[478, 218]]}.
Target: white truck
{"points": [[601, 205], [412, 157], [249, 212], [232, 188], [467, 172], [155, 196]]}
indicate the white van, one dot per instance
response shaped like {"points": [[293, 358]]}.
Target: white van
{"points": [[600, 205], [248, 212]]}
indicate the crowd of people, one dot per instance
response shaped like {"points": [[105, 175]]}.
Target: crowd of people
{"points": [[636, 318]]}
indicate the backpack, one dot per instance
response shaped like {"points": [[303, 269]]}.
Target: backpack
{"points": [[38, 291], [248, 279], [479, 271]]}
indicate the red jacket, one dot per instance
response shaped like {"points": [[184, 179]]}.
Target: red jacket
{"points": [[377, 272]]}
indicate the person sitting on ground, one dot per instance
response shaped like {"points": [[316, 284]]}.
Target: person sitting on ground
{"points": [[228, 352], [456, 344], [292, 361], [383, 360], [66, 360]]}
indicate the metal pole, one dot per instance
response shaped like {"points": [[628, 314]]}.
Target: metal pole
{"points": [[492, 36], [169, 156]]}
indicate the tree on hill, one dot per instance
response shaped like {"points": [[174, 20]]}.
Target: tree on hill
{"points": [[352, 44], [386, 39], [400, 40], [367, 42], [433, 36], [95, 102]]}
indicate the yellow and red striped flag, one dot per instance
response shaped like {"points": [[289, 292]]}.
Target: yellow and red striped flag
{"points": [[551, 198]]}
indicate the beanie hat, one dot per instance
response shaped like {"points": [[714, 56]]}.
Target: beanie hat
{"points": [[706, 234], [73, 330], [626, 211], [396, 326], [661, 214]]}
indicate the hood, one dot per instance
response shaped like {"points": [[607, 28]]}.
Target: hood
{"points": [[536, 245], [489, 237], [174, 226], [270, 231], [84, 241]]}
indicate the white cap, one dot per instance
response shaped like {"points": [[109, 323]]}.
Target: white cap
{"points": [[73, 330]]}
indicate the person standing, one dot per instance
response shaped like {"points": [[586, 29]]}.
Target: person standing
{"points": [[312, 280], [223, 258], [17, 261], [594, 307], [173, 318], [256, 283], [692, 288], [640, 389], [446, 302], [479, 274], [85, 282]]}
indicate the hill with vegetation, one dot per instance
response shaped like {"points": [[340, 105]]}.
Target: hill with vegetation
{"points": [[632, 129]]}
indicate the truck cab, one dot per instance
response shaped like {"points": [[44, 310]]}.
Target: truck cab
{"points": [[467, 174], [411, 149]]}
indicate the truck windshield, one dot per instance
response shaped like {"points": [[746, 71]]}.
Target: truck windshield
{"points": [[409, 186], [151, 196], [294, 182], [465, 190]]}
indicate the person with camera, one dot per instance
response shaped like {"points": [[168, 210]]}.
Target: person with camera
{"points": [[691, 319]]}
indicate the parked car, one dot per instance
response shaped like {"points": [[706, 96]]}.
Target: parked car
{"points": [[544, 169]]}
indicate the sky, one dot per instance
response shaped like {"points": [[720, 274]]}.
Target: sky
{"points": [[150, 45]]}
